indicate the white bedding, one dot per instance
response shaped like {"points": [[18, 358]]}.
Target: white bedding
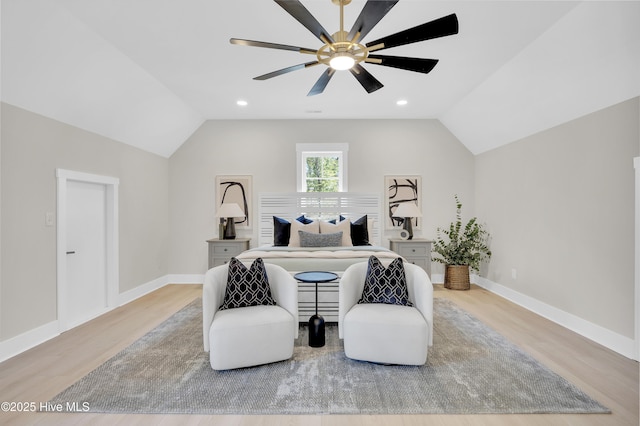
{"points": [[335, 259], [332, 259]]}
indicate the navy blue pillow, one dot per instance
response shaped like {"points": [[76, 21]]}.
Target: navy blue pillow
{"points": [[281, 231], [385, 285], [304, 220], [247, 287], [359, 231]]}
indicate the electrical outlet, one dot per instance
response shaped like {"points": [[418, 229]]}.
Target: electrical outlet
{"points": [[514, 274]]}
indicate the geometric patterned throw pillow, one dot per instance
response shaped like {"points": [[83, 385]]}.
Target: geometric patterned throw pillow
{"points": [[385, 285], [247, 287]]}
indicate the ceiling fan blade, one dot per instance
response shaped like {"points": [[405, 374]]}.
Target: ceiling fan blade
{"points": [[268, 45], [322, 82], [369, 82], [404, 63], [372, 12], [445, 26], [286, 70], [302, 15]]}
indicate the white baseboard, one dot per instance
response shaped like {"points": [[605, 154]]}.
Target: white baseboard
{"points": [[437, 278], [25, 341], [614, 341], [141, 290], [185, 279], [607, 338]]}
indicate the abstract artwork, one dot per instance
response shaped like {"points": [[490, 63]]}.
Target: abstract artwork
{"points": [[401, 189], [235, 189]]}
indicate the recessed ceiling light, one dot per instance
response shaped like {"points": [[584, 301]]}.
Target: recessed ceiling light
{"points": [[401, 102], [242, 103]]}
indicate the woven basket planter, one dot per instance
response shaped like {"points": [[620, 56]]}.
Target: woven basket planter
{"points": [[456, 277]]}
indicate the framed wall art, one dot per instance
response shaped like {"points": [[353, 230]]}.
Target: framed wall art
{"points": [[398, 190], [236, 189]]}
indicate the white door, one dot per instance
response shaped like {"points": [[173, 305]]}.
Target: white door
{"points": [[86, 286]]}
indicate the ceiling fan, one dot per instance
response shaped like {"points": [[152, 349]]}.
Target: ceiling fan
{"points": [[344, 51]]}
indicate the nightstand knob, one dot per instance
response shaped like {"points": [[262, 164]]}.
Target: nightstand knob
{"points": [[226, 250], [413, 250]]}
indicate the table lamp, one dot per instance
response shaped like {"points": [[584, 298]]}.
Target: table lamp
{"points": [[407, 211], [230, 211]]}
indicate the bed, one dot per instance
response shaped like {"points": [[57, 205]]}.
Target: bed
{"points": [[349, 213], [332, 259]]}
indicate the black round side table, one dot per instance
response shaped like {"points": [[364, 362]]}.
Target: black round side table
{"points": [[316, 322]]}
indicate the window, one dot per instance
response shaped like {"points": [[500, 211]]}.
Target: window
{"points": [[322, 172], [322, 167]]}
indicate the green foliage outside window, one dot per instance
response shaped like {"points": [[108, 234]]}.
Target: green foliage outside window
{"points": [[323, 174]]}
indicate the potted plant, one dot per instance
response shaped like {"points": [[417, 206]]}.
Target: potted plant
{"points": [[460, 249]]}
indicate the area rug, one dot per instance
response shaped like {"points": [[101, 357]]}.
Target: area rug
{"points": [[471, 369]]}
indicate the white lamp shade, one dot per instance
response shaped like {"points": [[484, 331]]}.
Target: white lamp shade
{"points": [[408, 209], [230, 210]]}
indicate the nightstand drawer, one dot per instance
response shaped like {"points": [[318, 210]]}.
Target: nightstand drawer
{"points": [[228, 249], [217, 261], [421, 262], [221, 251], [417, 251], [409, 250]]}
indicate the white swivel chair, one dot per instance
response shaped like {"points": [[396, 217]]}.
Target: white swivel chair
{"points": [[383, 333], [253, 335]]}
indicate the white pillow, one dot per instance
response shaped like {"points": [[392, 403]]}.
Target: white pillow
{"points": [[343, 226], [294, 237]]}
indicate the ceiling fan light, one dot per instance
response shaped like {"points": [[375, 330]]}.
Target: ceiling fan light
{"points": [[342, 61]]}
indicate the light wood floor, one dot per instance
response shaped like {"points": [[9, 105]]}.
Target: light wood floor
{"points": [[40, 373]]}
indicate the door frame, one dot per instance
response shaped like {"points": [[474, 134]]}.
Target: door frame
{"points": [[636, 166], [112, 242]]}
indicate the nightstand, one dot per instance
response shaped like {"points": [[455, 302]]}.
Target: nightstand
{"points": [[415, 251], [221, 251]]}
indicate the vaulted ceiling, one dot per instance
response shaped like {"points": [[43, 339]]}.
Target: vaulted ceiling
{"points": [[149, 72]]}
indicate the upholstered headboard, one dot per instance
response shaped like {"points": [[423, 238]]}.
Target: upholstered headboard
{"points": [[321, 205]]}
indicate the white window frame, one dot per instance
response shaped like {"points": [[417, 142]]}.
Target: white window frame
{"points": [[305, 150]]}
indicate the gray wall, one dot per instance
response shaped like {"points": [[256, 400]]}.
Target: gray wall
{"points": [[267, 151], [559, 204], [560, 208], [32, 148]]}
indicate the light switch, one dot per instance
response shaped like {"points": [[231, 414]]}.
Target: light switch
{"points": [[49, 219]]}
